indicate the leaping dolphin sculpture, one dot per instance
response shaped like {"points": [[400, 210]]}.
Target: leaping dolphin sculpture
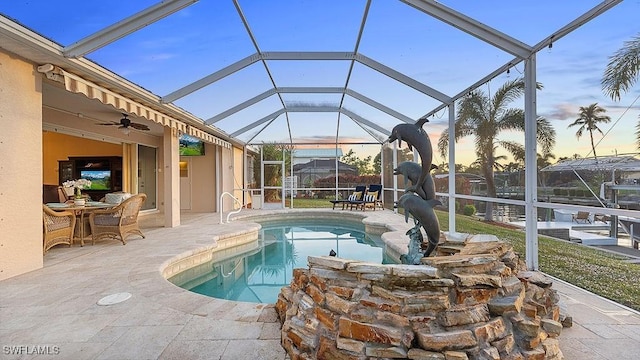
{"points": [[411, 171], [422, 211], [417, 138]]}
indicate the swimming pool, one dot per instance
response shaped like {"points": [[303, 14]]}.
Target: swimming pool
{"points": [[258, 275]]}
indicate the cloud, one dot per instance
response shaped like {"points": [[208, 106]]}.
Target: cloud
{"points": [[562, 111]]}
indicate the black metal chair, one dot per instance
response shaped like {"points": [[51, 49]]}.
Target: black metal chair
{"points": [[357, 195], [371, 197]]}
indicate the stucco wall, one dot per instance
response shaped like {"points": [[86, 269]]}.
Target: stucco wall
{"points": [[60, 147], [171, 178], [238, 174], [228, 181], [204, 195], [203, 185], [20, 167]]}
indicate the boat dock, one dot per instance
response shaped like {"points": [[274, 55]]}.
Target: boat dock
{"points": [[585, 233]]}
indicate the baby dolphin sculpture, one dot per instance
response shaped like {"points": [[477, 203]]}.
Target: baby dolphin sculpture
{"points": [[422, 211], [411, 171], [417, 138], [415, 253]]}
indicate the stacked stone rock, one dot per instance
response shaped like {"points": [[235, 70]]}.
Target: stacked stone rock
{"points": [[476, 304]]}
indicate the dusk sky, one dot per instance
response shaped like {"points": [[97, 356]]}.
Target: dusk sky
{"points": [[209, 35]]}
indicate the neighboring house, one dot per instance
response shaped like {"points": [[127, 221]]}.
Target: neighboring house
{"points": [[302, 156], [313, 170]]}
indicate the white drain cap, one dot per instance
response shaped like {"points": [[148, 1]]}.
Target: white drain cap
{"points": [[114, 299]]}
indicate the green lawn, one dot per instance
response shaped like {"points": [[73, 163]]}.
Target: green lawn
{"points": [[310, 203], [605, 274]]}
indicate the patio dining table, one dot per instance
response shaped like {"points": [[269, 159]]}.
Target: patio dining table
{"points": [[80, 211]]}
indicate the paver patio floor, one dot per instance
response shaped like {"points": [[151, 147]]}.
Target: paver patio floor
{"points": [[54, 310]]}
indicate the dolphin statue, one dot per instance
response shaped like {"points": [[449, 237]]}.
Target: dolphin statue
{"points": [[411, 171], [415, 252], [417, 138], [422, 212]]}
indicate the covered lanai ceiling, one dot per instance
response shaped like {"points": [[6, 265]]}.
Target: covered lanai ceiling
{"points": [[306, 71]]}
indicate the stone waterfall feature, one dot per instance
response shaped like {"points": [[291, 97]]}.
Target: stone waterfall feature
{"points": [[478, 302]]}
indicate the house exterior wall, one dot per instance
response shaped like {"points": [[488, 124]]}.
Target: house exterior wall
{"points": [[238, 174], [25, 167], [171, 177], [203, 176], [20, 167], [227, 176]]}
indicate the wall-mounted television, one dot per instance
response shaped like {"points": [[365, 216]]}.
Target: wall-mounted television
{"points": [[191, 146], [100, 179]]}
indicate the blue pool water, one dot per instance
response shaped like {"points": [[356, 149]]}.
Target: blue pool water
{"points": [[259, 274]]}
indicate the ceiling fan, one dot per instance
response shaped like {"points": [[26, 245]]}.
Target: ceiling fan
{"points": [[125, 123]]}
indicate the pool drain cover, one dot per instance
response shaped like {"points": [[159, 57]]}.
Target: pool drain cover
{"points": [[114, 299]]}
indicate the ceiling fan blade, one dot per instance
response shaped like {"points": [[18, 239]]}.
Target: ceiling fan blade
{"points": [[139, 126], [109, 123]]}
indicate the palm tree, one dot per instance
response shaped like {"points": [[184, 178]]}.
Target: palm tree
{"points": [[543, 160], [589, 118], [513, 167], [484, 118], [572, 157], [622, 72], [479, 162]]}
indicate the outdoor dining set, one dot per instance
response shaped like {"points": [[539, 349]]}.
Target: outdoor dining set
{"points": [[114, 218]]}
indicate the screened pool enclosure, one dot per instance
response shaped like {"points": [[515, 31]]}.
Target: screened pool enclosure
{"points": [[312, 89]]}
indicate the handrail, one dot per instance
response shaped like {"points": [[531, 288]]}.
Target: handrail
{"points": [[222, 207]]}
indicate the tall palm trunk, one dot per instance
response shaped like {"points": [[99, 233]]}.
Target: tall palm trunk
{"points": [[491, 190], [593, 147], [487, 170]]}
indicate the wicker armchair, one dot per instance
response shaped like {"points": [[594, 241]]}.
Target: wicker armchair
{"points": [[58, 228], [117, 222]]}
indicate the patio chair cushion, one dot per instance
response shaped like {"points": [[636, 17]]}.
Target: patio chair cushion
{"points": [[371, 197], [116, 198], [355, 196]]}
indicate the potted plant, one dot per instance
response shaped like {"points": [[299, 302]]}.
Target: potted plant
{"points": [[78, 185], [69, 188]]}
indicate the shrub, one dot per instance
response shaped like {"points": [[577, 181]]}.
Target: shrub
{"points": [[469, 210], [348, 181]]}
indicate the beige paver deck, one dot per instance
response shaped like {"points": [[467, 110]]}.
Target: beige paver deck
{"points": [[53, 310]]}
